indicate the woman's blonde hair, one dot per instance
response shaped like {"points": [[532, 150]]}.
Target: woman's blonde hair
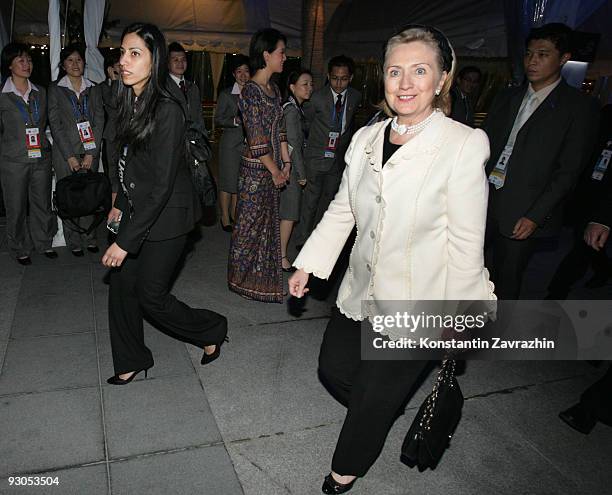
{"points": [[445, 57]]}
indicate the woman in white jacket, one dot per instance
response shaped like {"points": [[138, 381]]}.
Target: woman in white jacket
{"points": [[415, 188]]}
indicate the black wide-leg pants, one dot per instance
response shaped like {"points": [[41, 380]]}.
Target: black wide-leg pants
{"points": [[373, 391], [141, 286]]}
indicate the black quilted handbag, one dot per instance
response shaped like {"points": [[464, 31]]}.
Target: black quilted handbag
{"points": [[198, 154], [81, 194], [434, 425]]}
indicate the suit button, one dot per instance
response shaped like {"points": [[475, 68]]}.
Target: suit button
{"points": [[132, 185], [372, 234], [378, 199]]}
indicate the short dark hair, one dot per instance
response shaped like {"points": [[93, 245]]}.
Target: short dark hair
{"points": [[557, 33], [175, 47], [9, 53], [239, 60], [264, 40], [66, 52], [111, 59], [469, 69], [341, 61], [293, 79]]}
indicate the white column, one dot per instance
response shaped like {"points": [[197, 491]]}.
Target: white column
{"points": [[55, 36], [93, 16]]}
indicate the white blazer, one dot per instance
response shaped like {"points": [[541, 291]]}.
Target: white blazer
{"points": [[420, 220]]}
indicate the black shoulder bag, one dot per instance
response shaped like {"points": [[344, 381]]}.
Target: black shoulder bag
{"points": [[434, 425], [83, 193]]}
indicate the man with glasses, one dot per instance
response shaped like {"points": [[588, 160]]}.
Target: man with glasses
{"points": [[329, 115]]}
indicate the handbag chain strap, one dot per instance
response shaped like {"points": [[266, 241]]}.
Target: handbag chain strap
{"points": [[446, 374]]}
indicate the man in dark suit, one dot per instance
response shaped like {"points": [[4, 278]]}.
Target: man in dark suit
{"points": [[595, 183], [329, 114], [462, 94], [595, 402], [541, 136], [185, 90]]}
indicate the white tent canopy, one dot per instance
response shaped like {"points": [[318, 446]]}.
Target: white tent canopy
{"points": [[213, 25]]}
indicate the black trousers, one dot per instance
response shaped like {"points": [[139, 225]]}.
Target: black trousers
{"points": [[597, 399], [319, 192], [575, 264], [141, 286], [507, 260], [374, 392]]}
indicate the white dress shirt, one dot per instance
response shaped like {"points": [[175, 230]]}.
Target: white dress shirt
{"points": [[9, 87], [64, 82]]}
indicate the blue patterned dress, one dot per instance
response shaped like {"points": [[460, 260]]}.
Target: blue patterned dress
{"points": [[254, 268]]}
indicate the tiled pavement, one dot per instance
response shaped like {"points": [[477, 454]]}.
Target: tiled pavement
{"points": [[257, 421]]}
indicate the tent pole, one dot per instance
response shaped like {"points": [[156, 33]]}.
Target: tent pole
{"points": [[65, 23], [12, 20]]}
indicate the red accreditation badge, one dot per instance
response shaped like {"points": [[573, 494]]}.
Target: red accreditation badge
{"points": [[33, 142], [86, 135], [332, 144]]}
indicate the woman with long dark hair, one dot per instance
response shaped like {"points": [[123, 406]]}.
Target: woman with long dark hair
{"points": [[299, 90], [255, 256], [25, 165], [76, 117], [159, 208]]}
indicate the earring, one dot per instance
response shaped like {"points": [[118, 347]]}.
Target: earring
{"points": [[437, 92]]}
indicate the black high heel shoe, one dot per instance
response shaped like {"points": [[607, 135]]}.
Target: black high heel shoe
{"points": [[115, 380], [209, 358], [331, 486]]}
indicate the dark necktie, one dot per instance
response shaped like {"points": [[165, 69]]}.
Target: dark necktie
{"points": [[339, 110], [183, 87]]}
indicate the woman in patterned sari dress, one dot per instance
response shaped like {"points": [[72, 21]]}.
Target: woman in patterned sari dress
{"points": [[254, 268]]}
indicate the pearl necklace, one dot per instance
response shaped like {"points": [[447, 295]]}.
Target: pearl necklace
{"points": [[402, 129]]}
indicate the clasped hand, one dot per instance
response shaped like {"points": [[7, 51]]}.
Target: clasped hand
{"points": [[281, 177]]}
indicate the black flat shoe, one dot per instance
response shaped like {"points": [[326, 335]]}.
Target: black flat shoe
{"points": [[331, 486], [93, 249], [25, 261], [226, 228], [115, 380], [78, 253], [50, 254], [209, 358], [579, 419]]}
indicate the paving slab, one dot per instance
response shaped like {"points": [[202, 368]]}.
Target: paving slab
{"points": [[47, 363], [205, 470], [54, 300], [271, 372], [92, 480], [157, 414], [50, 430]]}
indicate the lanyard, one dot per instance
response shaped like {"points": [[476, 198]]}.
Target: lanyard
{"points": [[26, 112], [81, 111]]}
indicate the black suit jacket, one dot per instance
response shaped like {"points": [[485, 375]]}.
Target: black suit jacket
{"points": [[318, 112], [159, 184], [550, 151]]}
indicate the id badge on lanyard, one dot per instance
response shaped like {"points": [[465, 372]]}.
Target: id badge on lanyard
{"points": [[498, 175], [86, 135], [602, 162], [83, 126], [332, 144], [33, 142]]}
